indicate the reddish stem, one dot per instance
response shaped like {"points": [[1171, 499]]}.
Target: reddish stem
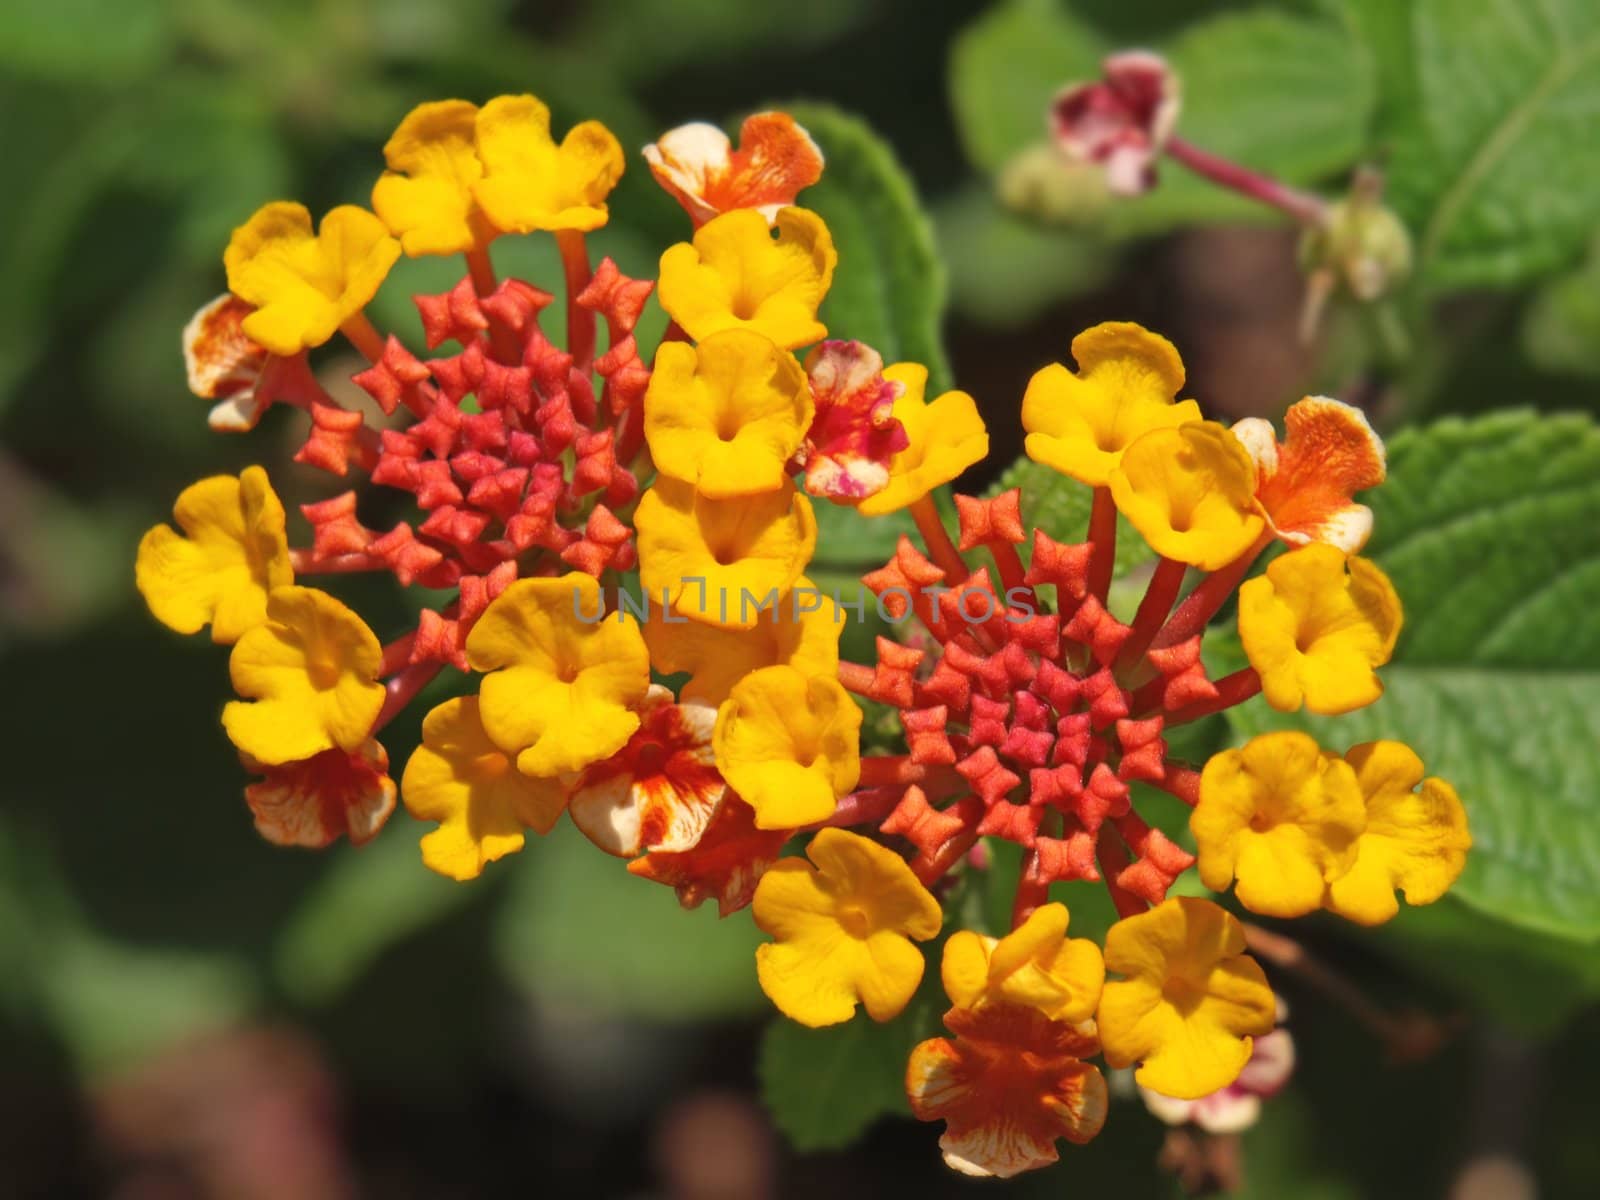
{"points": [[1231, 689], [883, 770], [1113, 858], [1008, 565], [402, 689], [364, 336], [1182, 782], [867, 807], [856, 678], [397, 654], [580, 320], [305, 562], [1103, 540], [1302, 206], [928, 870], [936, 538], [1200, 605], [1031, 893], [1159, 596]]}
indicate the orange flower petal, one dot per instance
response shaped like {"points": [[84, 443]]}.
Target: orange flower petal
{"points": [[727, 862], [314, 801], [659, 791], [699, 167], [1010, 1084], [1306, 482]]}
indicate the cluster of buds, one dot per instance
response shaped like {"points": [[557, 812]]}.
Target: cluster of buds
{"points": [[1031, 713]]}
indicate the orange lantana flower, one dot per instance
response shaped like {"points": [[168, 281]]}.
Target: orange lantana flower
{"points": [[700, 169], [1011, 1083]]}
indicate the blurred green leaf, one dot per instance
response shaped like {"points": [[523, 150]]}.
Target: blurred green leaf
{"points": [[577, 929], [889, 288], [1276, 91], [367, 899], [1561, 329], [845, 538], [823, 1087], [1284, 94], [85, 41], [1007, 65], [1004, 268], [1495, 169], [1488, 529]]}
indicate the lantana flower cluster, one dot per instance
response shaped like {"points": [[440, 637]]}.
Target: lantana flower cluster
{"points": [[622, 539]]}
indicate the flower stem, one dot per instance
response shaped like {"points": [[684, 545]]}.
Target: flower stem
{"points": [[402, 690], [305, 562], [1113, 858], [1304, 207], [580, 320], [1231, 689], [934, 536], [1200, 605], [1103, 539], [481, 268], [1159, 596], [364, 336]]}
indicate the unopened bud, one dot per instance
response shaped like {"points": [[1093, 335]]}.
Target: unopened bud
{"points": [[1362, 243], [1041, 184]]}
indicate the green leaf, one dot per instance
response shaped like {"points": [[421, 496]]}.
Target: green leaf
{"points": [[825, 1086], [578, 930], [1488, 529], [889, 288], [1561, 329], [1004, 268], [1004, 69], [1495, 168], [847, 539], [92, 42], [368, 899]]}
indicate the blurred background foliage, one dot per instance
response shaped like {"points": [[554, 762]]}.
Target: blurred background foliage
{"points": [[187, 1011]]}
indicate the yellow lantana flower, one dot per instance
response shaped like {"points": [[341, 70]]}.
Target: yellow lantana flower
{"points": [[1415, 840], [1191, 1001], [727, 415], [844, 930], [1280, 814], [529, 182], [801, 632], [946, 437], [1081, 423], [232, 552], [1316, 626], [789, 744], [561, 680], [1190, 491], [425, 197], [1036, 965], [462, 780], [738, 273], [718, 561], [310, 677], [305, 285]]}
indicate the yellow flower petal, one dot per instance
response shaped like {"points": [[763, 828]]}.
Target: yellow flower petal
{"points": [[531, 183], [561, 682], [789, 745], [1081, 423], [738, 273], [310, 674], [233, 552], [1190, 491], [1316, 626], [1034, 965], [946, 437], [727, 415], [425, 197], [1191, 1000], [1415, 840], [306, 285], [802, 632], [843, 930], [720, 561], [462, 780], [1282, 816]]}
